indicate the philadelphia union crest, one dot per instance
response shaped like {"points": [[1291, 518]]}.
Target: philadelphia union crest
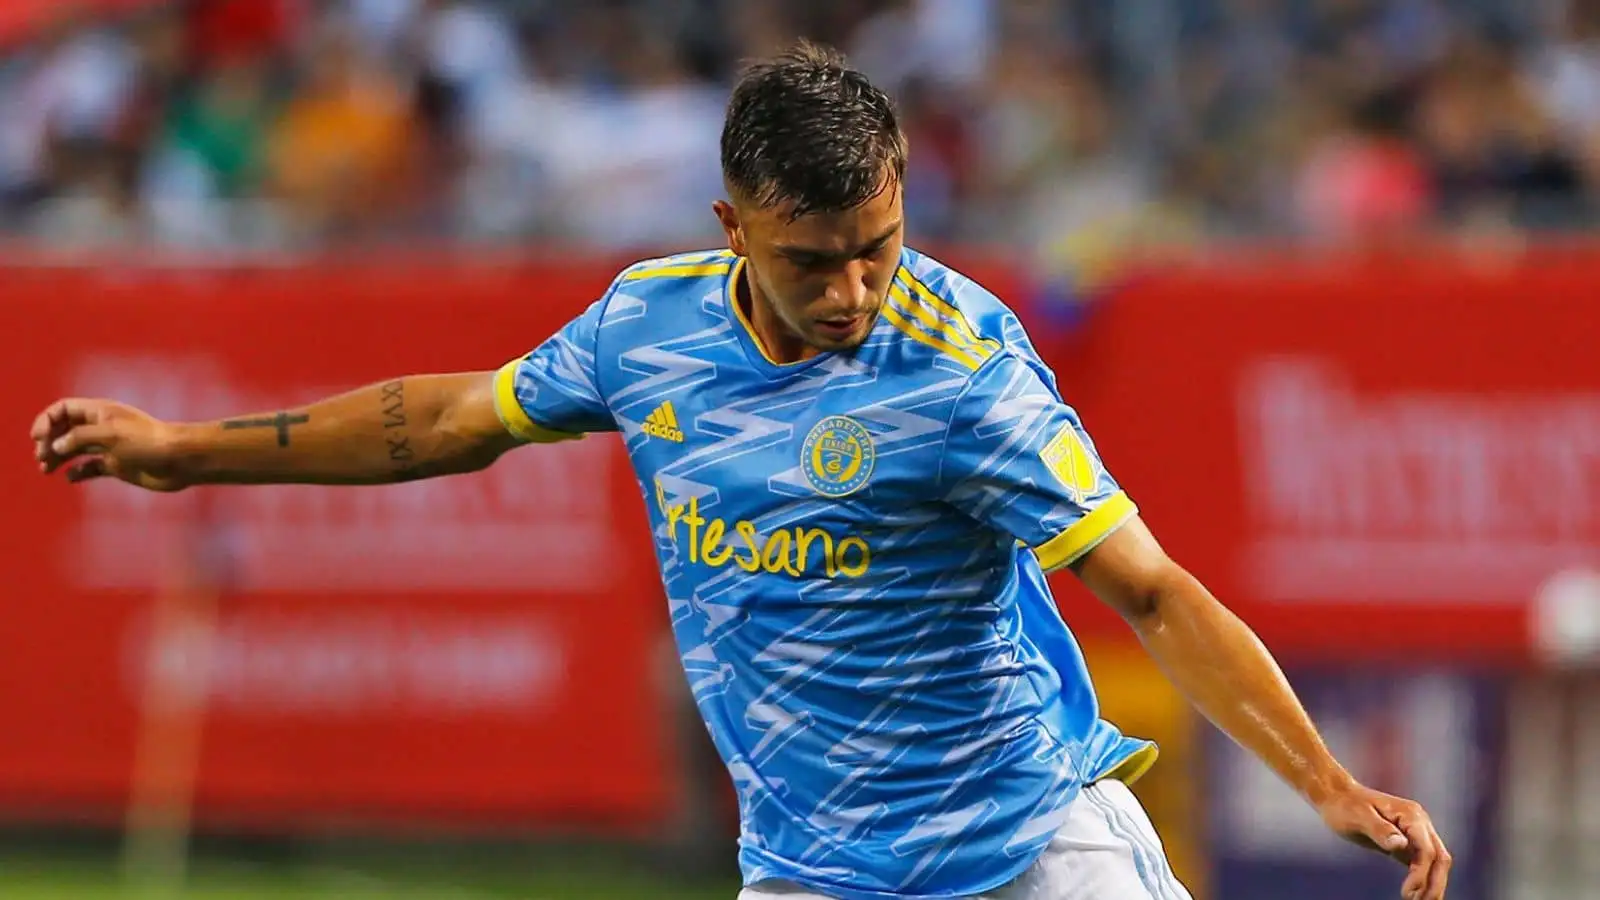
{"points": [[837, 456]]}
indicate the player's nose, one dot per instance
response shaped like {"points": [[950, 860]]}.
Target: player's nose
{"points": [[848, 291]]}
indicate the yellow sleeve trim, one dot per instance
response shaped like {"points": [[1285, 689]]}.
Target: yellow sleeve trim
{"points": [[1065, 548], [1133, 768], [514, 417]]}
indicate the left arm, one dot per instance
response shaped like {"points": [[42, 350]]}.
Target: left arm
{"points": [[1220, 665], [1017, 459]]}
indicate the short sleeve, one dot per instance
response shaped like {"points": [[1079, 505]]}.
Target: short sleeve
{"points": [[553, 393], [1018, 460]]}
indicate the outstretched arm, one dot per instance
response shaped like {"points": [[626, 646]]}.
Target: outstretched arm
{"points": [[405, 428], [1226, 672]]}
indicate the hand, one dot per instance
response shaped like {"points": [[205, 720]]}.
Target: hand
{"points": [[1395, 826], [99, 438]]}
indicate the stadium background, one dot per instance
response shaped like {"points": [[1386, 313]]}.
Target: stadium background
{"points": [[1315, 272]]}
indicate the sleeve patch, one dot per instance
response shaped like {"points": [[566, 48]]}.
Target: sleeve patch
{"points": [[1071, 463]]}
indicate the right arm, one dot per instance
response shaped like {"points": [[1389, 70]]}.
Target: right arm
{"points": [[406, 428], [398, 430], [418, 426]]}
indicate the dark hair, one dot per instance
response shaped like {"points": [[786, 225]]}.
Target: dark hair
{"points": [[805, 128]]}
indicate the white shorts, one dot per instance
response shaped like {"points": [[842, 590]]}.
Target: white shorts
{"points": [[1106, 849]]}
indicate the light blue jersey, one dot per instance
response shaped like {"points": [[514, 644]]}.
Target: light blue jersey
{"points": [[854, 549]]}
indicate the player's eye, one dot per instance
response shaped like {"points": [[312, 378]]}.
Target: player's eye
{"points": [[811, 264], [874, 252]]}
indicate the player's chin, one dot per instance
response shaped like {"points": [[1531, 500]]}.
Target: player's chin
{"points": [[844, 334]]}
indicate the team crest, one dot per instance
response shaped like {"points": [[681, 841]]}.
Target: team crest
{"points": [[838, 456], [1071, 463]]}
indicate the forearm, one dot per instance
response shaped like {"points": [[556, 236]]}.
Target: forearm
{"points": [[387, 432], [1228, 674]]}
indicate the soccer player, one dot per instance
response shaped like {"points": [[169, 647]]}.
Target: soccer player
{"points": [[858, 473]]}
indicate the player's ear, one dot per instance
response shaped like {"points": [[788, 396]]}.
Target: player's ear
{"points": [[728, 215]]}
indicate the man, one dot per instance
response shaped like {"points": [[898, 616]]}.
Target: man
{"points": [[858, 474]]}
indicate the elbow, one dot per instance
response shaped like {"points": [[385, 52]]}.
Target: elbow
{"points": [[1146, 601], [458, 453], [465, 433]]}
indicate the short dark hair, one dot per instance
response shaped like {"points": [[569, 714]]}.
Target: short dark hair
{"points": [[805, 128]]}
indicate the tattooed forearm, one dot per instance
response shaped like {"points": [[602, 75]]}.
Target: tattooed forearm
{"points": [[393, 397], [408, 472], [394, 404], [282, 421]]}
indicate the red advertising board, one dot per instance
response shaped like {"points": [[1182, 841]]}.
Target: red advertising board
{"points": [[1367, 462], [482, 647], [1387, 459]]}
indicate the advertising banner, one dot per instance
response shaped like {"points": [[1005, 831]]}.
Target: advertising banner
{"points": [[1368, 463], [478, 648], [1389, 459]]}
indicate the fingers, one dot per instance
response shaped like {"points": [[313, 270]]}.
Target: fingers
{"points": [[94, 467], [1383, 834], [63, 414], [1429, 861], [56, 420], [76, 441]]}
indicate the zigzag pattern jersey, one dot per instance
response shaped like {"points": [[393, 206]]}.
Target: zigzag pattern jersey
{"points": [[854, 549]]}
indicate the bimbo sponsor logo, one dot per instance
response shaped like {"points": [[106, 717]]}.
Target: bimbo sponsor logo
{"points": [[1413, 494]]}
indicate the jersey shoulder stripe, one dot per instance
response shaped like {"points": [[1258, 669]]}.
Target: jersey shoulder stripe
{"points": [[944, 304], [698, 264], [918, 321], [930, 311]]}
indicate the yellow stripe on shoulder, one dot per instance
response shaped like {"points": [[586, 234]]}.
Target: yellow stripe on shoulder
{"points": [[939, 332], [683, 265], [920, 311], [514, 417], [948, 310], [689, 271], [897, 317]]}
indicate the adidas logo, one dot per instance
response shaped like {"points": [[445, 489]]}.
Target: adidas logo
{"points": [[663, 423]]}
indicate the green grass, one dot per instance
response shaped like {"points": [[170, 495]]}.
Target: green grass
{"points": [[576, 877]]}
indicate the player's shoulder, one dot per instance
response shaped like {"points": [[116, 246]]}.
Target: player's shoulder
{"points": [[653, 292], [942, 309], [677, 270]]}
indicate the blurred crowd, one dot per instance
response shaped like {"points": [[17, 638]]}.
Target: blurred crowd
{"points": [[1050, 126]]}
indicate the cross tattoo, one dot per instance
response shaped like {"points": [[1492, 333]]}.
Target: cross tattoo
{"points": [[281, 421]]}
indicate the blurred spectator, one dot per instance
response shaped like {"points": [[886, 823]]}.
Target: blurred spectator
{"points": [[1492, 148], [220, 128], [1037, 124], [63, 101], [1362, 180], [338, 155]]}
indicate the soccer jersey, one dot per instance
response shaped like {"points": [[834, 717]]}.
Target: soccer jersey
{"points": [[854, 551]]}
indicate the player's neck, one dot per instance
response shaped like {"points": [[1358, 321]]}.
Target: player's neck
{"points": [[778, 343]]}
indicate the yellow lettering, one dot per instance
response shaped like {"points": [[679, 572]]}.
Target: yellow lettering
{"points": [[777, 555], [661, 496], [860, 569], [712, 550], [747, 530], [674, 513], [787, 551], [694, 521], [803, 549]]}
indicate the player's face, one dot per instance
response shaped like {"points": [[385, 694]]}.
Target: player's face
{"points": [[824, 276]]}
